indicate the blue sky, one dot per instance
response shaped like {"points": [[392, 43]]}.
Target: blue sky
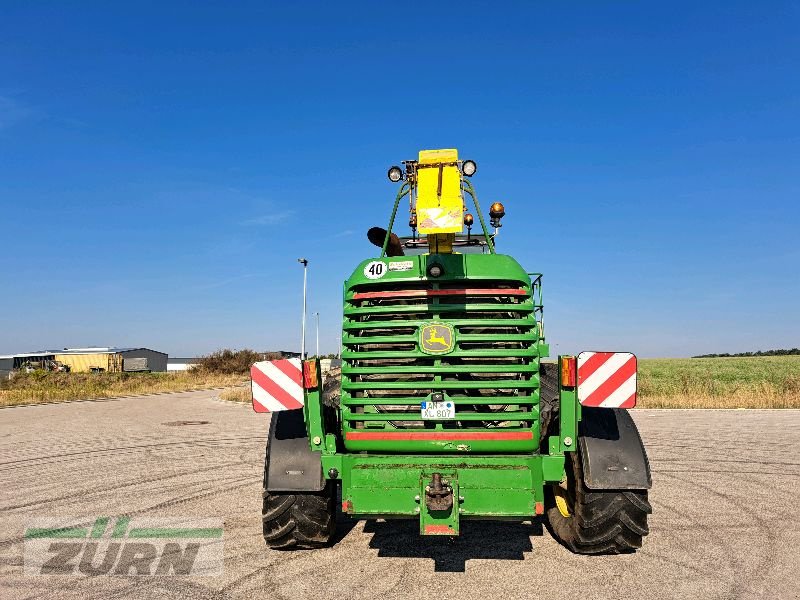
{"points": [[162, 165]]}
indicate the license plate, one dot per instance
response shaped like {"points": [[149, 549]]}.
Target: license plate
{"points": [[438, 410]]}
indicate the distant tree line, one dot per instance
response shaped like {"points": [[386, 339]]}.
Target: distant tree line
{"points": [[781, 352], [227, 361]]}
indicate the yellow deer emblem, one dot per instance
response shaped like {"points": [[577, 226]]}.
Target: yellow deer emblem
{"points": [[436, 339]]}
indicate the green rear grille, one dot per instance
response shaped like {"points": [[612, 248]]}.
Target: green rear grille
{"points": [[491, 374]]}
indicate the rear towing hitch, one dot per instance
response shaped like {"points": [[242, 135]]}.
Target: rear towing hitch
{"points": [[438, 495], [439, 514]]}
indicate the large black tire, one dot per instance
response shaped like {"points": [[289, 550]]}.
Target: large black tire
{"points": [[548, 401], [599, 521], [332, 387], [299, 520]]}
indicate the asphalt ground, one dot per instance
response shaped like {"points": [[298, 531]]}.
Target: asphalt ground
{"points": [[725, 522]]}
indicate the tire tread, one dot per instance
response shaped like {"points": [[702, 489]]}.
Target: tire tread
{"points": [[604, 522], [298, 520]]}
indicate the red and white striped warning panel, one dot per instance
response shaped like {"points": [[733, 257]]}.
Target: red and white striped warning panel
{"points": [[607, 379], [277, 385]]}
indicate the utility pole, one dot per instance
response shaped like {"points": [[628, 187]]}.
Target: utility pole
{"points": [[317, 316], [304, 262]]}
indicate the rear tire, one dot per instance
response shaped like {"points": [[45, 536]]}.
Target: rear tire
{"points": [[548, 401], [299, 520], [598, 521]]}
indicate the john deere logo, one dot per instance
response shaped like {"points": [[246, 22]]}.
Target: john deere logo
{"points": [[436, 338]]}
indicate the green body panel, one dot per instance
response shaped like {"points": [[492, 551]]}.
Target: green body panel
{"points": [[456, 266], [490, 454], [568, 417], [487, 485], [384, 356]]}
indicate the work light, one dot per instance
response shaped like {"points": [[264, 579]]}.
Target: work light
{"points": [[468, 168], [395, 174], [497, 210]]}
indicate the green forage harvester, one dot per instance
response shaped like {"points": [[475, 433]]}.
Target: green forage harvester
{"points": [[444, 409]]}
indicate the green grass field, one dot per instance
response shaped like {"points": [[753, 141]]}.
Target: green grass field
{"points": [[753, 382], [40, 387]]}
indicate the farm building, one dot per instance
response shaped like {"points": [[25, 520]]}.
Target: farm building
{"points": [[12, 362], [112, 360], [15, 361], [181, 364], [84, 360]]}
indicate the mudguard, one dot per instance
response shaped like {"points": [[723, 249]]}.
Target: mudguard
{"points": [[612, 454], [290, 464]]}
